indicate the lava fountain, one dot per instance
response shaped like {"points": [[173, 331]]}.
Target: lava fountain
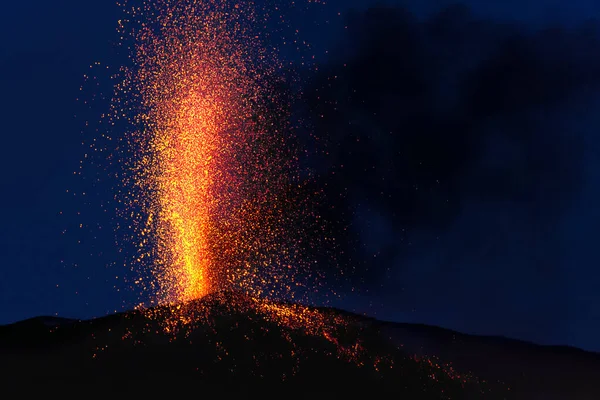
{"points": [[212, 165], [211, 181]]}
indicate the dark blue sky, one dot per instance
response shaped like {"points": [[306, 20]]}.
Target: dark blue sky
{"points": [[50, 265]]}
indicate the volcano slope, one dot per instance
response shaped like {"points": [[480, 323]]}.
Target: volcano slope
{"points": [[227, 343]]}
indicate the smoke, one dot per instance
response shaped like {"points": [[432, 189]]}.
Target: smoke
{"points": [[449, 151]]}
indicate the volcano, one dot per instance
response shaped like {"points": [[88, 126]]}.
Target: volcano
{"points": [[227, 342]]}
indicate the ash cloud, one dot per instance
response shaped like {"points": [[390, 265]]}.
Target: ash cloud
{"points": [[449, 150]]}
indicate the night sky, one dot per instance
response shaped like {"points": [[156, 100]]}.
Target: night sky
{"points": [[470, 150]]}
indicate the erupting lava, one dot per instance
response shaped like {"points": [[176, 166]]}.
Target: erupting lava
{"points": [[211, 168], [211, 180]]}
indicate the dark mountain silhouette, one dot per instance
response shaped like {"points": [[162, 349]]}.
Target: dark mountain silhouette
{"points": [[532, 371], [230, 342]]}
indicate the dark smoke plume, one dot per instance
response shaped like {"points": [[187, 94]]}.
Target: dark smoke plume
{"points": [[416, 126]]}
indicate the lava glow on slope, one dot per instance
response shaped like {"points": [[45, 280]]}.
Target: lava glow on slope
{"points": [[210, 168]]}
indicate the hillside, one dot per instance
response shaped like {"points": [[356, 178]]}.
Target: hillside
{"points": [[229, 342]]}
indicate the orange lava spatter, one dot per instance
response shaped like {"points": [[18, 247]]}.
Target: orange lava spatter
{"points": [[211, 164]]}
